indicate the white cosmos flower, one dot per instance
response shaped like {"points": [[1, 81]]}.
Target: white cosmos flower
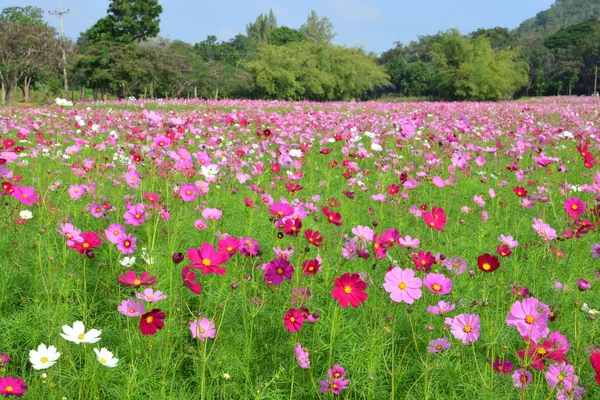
{"points": [[296, 153], [106, 358], [77, 334], [370, 134], [210, 171], [127, 262], [26, 214], [376, 147], [589, 310], [44, 357]]}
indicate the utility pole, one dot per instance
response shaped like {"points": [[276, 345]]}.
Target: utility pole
{"points": [[64, 50]]}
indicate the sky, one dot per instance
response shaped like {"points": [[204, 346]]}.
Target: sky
{"points": [[372, 24]]}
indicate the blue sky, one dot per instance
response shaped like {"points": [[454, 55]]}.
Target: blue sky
{"points": [[373, 24]]}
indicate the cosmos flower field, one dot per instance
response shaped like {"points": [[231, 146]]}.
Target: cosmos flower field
{"points": [[269, 250]]}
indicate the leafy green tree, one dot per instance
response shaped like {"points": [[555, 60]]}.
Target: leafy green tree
{"points": [[127, 21], [318, 30], [500, 38], [283, 36], [260, 30], [23, 15], [411, 79]]}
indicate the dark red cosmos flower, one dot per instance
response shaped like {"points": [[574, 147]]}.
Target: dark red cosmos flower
{"points": [[189, 280], [248, 202], [393, 189], [595, 360], [90, 240], [423, 261], [293, 188], [488, 263], [7, 188], [313, 237], [348, 194], [502, 366], [292, 227], [349, 289], [152, 321], [332, 217], [311, 267], [520, 191], [504, 250], [542, 352], [293, 320], [208, 260], [131, 279]]}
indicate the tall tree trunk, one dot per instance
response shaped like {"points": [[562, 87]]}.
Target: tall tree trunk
{"points": [[217, 93], [26, 85], [9, 93], [3, 94]]}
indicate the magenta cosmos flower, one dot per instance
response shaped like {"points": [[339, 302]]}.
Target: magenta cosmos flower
{"points": [[25, 194], [135, 215], [207, 259], [10, 386], [349, 289], [464, 327], [301, 356], [131, 279], [438, 283], [126, 243], [402, 285], [574, 207], [202, 329], [293, 320], [521, 378], [278, 270], [530, 317]]}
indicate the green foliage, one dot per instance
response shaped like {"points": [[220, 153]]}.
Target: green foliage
{"points": [[472, 70], [500, 38], [260, 30], [316, 72], [127, 21], [318, 30], [561, 14], [409, 79], [23, 15], [283, 36]]}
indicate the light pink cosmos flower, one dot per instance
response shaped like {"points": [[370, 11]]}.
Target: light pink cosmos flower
{"points": [[561, 375], [530, 317], [402, 285], [521, 378], [113, 232], [72, 234], [212, 214], [301, 356], [437, 345], [508, 241], [76, 191], [464, 327], [479, 200], [135, 215], [151, 296], [131, 308], [200, 225], [438, 283], [543, 229], [363, 232], [441, 308], [409, 242], [202, 329]]}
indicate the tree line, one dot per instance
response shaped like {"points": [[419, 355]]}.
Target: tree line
{"points": [[122, 55]]}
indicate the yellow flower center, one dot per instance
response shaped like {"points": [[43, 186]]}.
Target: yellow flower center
{"points": [[24, 196], [573, 207], [149, 320], [467, 328], [127, 243], [500, 368], [44, 360], [347, 290], [279, 271], [150, 297], [334, 386], [337, 375], [292, 319], [529, 319], [560, 377], [86, 245], [432, 223], [116, 233], [436, 287], [229, 248], [202, 330], [9, 389], [138, 216], [402, 286], [132, 310], [81, 336], [69, 236], [206, 262], [137, 282], [486, 266], [541, 351], [438, 347]]}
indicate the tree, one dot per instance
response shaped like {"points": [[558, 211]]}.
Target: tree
{"points": [[23, 15], [410, 79], [260, 30], [500, 38], [472, 70], [24, 49], [127, 21], [283, 36], [318, 30]]}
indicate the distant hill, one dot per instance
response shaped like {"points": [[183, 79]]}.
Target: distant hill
{"points": [[561, 14]]}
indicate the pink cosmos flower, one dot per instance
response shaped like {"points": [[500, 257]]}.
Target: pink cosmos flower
{"points": [[301, 356], [438, 283], [25, 194], [200, 225], [437, 345], [334, 386], [521, 378], [455, 264], [207, 259], [561, 375], [508, 241], [409, 242], [151, 296], [72, 234], [211, 214], [402, 285], [202, 329], [131, 308], [293, 320], [188, 192], [363, 232], [10, 386], [441, 308], [574, 207], [464, 327], [131, 279], [502, 366], [76, 191], [530, 317], [543, 229], [126, 243], [135, 215], [113, 232]]}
